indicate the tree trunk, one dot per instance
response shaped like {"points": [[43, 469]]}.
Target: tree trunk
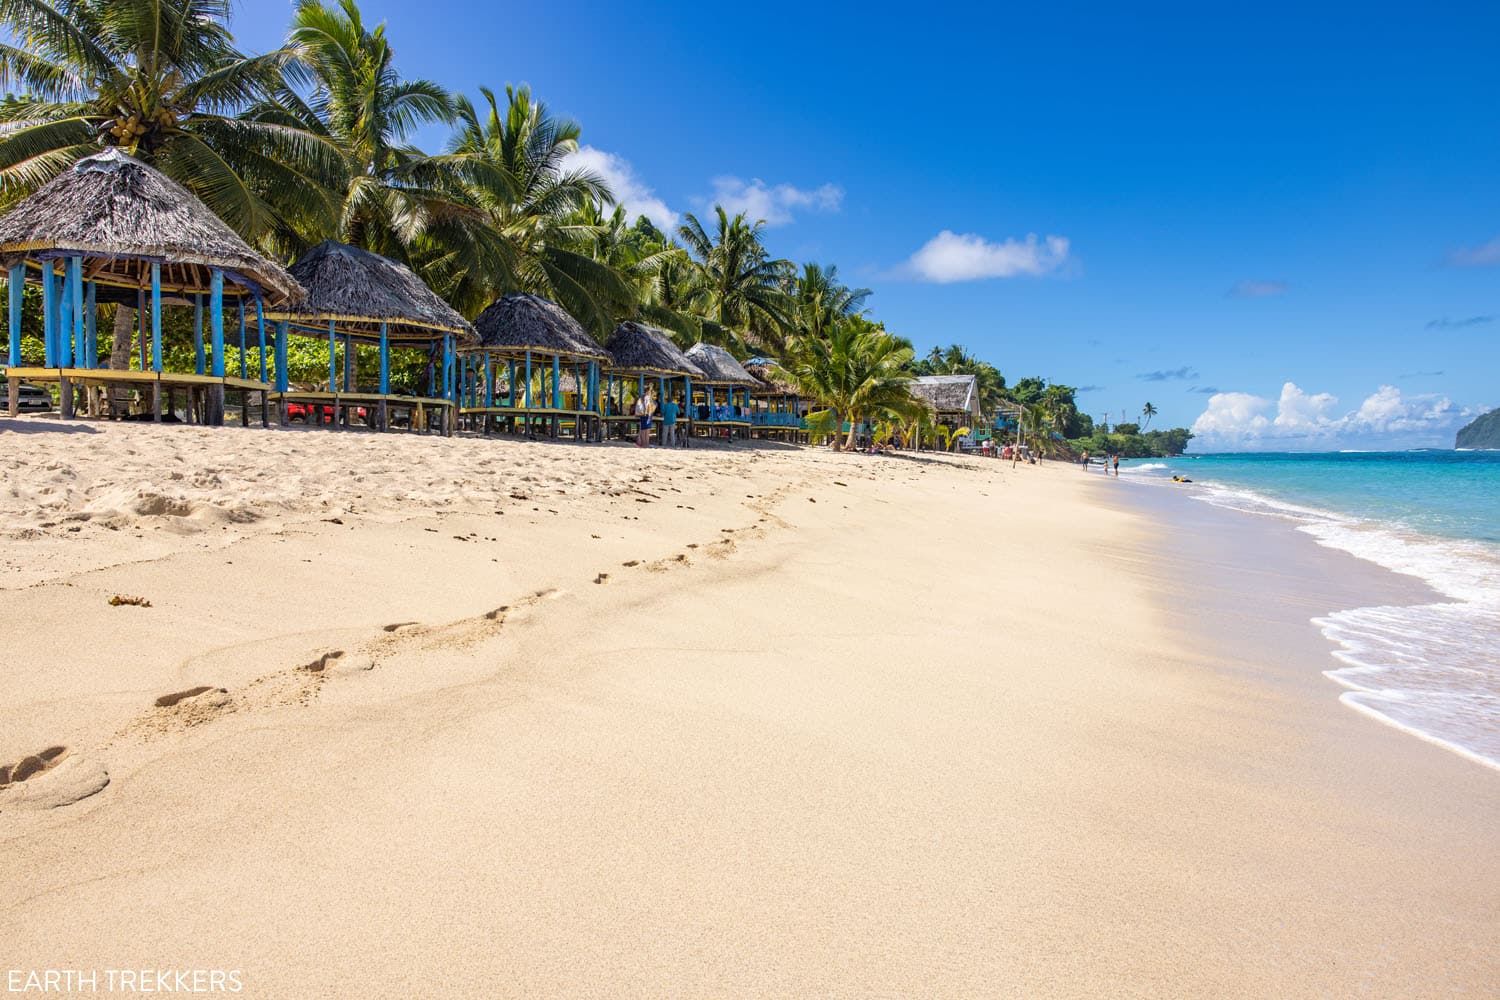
{"points": [[120, 340], [119, 357], [853, 432]]}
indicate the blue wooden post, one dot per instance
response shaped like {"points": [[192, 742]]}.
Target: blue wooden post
{"points": [[450, 382], [510, 382], [17, 285], [385, 360], [62, 331], [77, 346], [140, 325], [91, 326], [557, 381], [260, 329], [687, 392], [198, 332], [333, 367], [281, 373], [49, 316], [156, 317], [489, 381], [216, 319], [244, 368], [528, 380], [65, 318]]}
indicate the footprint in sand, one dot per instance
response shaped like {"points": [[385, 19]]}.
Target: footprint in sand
{"points": [[321, 663], [339, 664], [190, 707], [49, 779], [177, 697], [397, 626]]}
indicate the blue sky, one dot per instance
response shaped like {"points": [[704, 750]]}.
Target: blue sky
{"points": [[1177, 204]]}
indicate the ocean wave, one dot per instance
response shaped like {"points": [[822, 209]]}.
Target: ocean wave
{"points": [[1430, 670]]}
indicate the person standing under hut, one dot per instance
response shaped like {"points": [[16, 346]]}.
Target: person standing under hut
{"points": [[669, 422], [644, 406]]}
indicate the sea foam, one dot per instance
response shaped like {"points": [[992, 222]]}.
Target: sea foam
{"points": [[1431, 670]]}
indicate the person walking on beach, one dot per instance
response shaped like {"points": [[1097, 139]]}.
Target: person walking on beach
{"points": [[1085, 461], [1117, 466]]}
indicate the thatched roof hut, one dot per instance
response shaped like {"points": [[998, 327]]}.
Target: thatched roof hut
{"points": [[359, 290], [125, 215], [636, 347], [772, 379], [948, 394], [520, 322], [719, 366]]}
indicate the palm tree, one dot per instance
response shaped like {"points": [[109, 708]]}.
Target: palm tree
{"points": [[512, 162], [1147, 412], [162, 80], [397, 200], [659, 272], [818, 300], [856, 370], [739, 287], [1059, 408]]}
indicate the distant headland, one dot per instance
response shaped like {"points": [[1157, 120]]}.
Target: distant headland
{"points": [[1483, 432]]}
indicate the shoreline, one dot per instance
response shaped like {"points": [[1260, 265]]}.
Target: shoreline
{"points": [[733, 721], [1385, 645]]}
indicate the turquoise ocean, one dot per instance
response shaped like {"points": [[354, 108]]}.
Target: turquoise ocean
{"points": [[1432, 670]]}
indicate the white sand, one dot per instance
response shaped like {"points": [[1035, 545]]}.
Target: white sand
{"points": [[714, 722]]}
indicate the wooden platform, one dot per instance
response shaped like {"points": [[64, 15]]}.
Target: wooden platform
{"points": [[416, 406], [554, 419], [205, 393]]}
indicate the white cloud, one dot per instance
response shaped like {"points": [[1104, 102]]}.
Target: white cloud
{"points": [[1302, 421], [629, 190], [774, 204], [1257, 289], [950, 256], [1484, 255]]}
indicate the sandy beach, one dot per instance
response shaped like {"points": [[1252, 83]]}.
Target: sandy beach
{"points": [[496, 718]]}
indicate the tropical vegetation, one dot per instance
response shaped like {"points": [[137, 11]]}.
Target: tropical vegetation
{"points": [[315, 141]]}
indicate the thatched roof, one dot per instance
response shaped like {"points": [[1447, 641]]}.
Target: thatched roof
{"points": [[719, 366], [359, 290], [520, 322], [774, 381], [121, 215], [636, 347], [948, 393]]}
